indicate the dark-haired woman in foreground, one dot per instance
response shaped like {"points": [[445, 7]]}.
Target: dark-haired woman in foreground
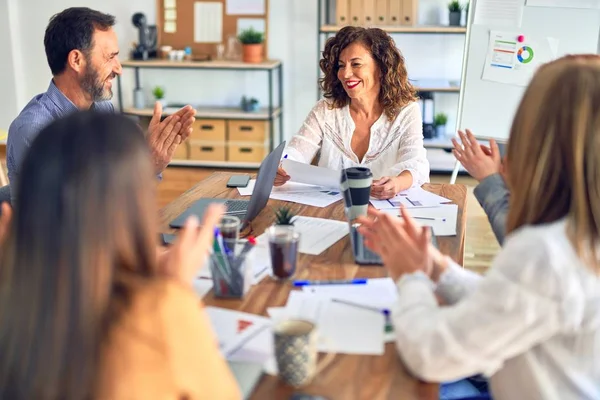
{"points": [[86, 309], [369, 117]]}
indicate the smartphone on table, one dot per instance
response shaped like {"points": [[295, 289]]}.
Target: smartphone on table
{"points": [[238, 181]]}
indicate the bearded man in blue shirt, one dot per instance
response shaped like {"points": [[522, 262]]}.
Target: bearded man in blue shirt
{"points": [[82, 51]]}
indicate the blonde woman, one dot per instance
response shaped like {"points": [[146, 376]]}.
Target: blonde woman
{"points": [[532, 324]]}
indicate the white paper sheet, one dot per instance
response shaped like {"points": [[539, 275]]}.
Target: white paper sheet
{"points": [[170, 27], [591, 4], [512, 62], [411, 198], [170, 3], [341, 328], [170, 15], [499, 13], [258, 24], [377, 292], [441, 219], [245, 7], [316, 234], [311, 174], [314, 199], [237, 331], [287, 188], [208, 22], [295, 187], [247, 191]]}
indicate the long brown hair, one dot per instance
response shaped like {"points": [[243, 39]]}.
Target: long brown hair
{"points": [[82, 235], [396, 91], [552, 156]]}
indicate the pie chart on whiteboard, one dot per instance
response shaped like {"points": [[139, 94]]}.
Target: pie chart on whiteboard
{"points": [[525, 54]]}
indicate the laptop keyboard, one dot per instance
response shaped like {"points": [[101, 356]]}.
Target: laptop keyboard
{"points": [[236, 206]]}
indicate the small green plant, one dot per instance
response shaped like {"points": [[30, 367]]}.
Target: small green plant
{"points": [[250, 36], [440, 119], [284, 216], [454, 6], [158, 93]]}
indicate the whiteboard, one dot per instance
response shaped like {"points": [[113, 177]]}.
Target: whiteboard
{"points": [[487, 108]]}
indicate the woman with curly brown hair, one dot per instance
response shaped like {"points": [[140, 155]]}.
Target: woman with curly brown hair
{"points": [[369, 117]]}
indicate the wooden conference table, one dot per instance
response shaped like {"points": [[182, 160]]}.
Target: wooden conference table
{"points": [[348, 377]]}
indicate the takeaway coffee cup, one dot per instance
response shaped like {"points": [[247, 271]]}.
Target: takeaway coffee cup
{"points": [[356, 186]]}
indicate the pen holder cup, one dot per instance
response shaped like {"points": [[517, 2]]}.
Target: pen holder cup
{"points": [[231, 275]]}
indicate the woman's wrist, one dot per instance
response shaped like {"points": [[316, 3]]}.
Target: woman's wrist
{"points": [[440, 265], [403, 181]]}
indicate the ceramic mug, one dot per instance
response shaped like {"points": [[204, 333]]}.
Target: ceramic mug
{"points": [[296, 352]]}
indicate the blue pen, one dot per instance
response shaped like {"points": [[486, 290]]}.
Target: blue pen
{"points": [[342, 282], [220, 258], [285, 156]]}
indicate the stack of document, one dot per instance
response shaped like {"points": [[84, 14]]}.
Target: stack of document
{"points": [[301, 193], [349, 319], [308, 184], [311, 174], [426, 208], [243, 337]]}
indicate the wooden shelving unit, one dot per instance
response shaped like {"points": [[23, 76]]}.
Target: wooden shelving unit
{"points": [[213, 64], [211, 113], [221, 119], [215, 164]]}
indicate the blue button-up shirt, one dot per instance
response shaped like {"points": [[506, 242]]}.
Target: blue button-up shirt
{"points": [[39, 112]]}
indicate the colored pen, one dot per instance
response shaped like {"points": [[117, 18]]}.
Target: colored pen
{"points": [[219, 255], [246, 340], [258, 274], [385, 311], [285, 156], [428, 218], [341, 282]]}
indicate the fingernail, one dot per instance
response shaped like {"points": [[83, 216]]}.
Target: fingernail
{"points": [[193, 220]]}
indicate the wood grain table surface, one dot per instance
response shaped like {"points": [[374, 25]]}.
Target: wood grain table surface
{"points": [[348, 377]]}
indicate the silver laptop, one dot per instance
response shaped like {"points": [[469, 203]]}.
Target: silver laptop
{"points": [[244, 209]]}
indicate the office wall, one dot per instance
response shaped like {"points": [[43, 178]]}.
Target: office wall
{"points": [[9, 86], [292, 36]]}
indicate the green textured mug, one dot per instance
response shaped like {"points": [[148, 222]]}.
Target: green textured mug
{"points": [[296, 352]]}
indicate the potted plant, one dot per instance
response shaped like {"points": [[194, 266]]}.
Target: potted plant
{"points": [[455, 11], [440, 121], [159, 95], [284, 216], [252, 45]]}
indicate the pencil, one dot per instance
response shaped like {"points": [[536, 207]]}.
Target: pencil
{"points": [[385, 311]]}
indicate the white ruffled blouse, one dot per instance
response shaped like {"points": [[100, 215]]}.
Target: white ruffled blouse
{"points": [[532, 324], [395, 146]]}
